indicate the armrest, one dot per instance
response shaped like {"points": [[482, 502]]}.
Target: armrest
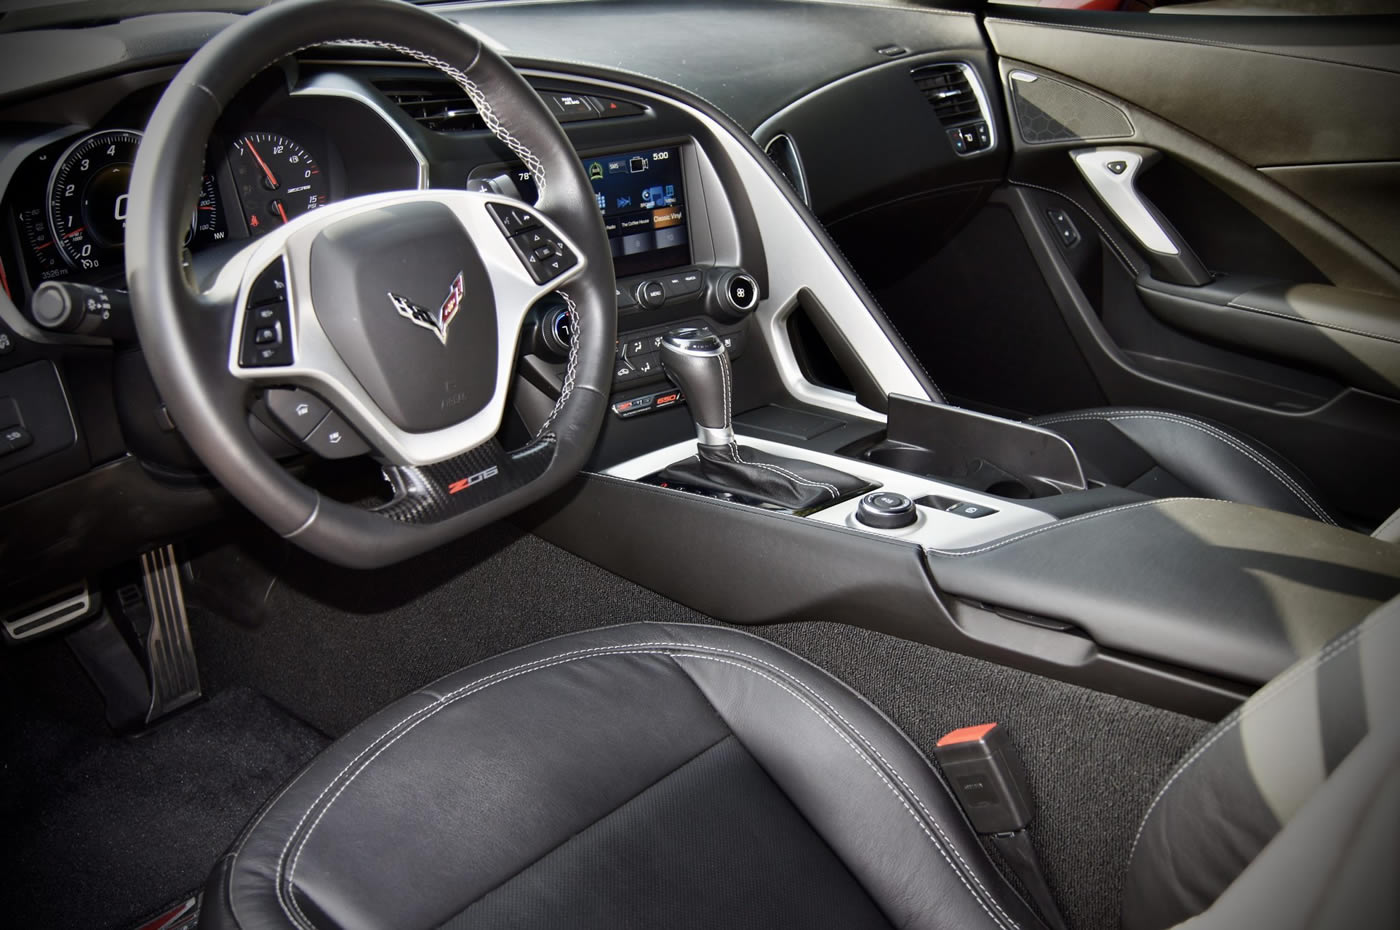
{"points": [[1353, 335], [1223, 588]]}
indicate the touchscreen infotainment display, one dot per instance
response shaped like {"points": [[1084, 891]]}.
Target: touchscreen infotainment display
{"points": [[642, 200]]}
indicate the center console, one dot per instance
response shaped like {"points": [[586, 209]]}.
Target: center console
{"points": [[750, 478]]}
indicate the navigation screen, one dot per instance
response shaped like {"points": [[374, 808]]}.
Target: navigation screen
{"points": [[643, 205]]}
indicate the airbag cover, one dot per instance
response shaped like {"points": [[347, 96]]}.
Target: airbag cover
{"points": [[384, 284]]}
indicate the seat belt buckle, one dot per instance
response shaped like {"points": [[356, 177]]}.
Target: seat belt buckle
{"points": [[987, 778]]}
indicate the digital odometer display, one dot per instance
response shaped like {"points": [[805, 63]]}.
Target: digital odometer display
{"points": [[642, 199]]}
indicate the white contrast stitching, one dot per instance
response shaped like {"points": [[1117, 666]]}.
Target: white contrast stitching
{"points": [[1262, 697], [1112, 243], [570, 370], [1238, 445], [725, 376], [488, 113], [1318, 323], [671, 649]]}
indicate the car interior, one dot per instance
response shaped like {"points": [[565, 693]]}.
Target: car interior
{"points": [[703, 463]]}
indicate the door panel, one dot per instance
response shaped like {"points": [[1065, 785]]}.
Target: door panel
{"points": [[1271, 151]]}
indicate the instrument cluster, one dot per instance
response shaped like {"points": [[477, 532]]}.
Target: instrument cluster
{"points": [[67, 204]]}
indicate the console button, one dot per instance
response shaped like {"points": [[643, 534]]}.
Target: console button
{"points": [[633, 407], [742, 292], [625, 299], [886, 510], [512, 219], [569, 107], [333, 439], [733, 343], [299, 411], [972, 511], [684, 284], [14, 438], [651, 294], [647, 366], [608, 107]]}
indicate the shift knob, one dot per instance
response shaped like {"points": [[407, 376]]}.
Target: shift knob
{"points": [[696, 361]]}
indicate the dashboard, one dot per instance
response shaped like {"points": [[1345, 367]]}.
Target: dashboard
{"points": [[701, 230]]}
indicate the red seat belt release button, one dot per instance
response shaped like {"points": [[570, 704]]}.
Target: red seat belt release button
{"points": [[986, 776]]}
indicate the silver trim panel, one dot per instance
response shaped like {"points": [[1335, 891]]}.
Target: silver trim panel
{"points": [[1120, 194], [934, 528]]}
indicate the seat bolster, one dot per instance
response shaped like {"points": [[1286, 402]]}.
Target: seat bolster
{"points": [[861, 784], [450, 792]]}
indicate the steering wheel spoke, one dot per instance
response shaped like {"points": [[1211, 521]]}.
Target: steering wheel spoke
{"points": [[421, 369]]}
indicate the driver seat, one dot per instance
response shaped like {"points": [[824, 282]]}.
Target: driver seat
{"points": [[694, 776]]}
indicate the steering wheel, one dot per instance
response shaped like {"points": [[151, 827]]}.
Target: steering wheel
{"points": [[401, 310]]}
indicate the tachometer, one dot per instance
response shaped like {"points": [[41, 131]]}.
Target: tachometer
{"points": [[87, 198], [278, 180]]}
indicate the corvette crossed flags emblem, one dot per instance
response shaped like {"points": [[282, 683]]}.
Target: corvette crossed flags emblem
{"points": [[439, 321]]}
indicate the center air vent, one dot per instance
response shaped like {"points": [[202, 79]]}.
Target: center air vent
{"points": [[441, 106], [952, 90]]}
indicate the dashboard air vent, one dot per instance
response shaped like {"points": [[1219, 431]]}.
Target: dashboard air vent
{"points": [[441, 106], [783, 151], [950, 92], [954, 93]]}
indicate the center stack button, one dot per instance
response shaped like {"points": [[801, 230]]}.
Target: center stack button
{"points": [[651, 294]]}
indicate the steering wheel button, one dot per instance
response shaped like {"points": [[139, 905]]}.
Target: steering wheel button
{"points": [[270, 286], [511, 219], [266, 335], [299, 411], [332, 438]]}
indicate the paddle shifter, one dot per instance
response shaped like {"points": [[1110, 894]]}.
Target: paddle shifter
{"points": [[697, 362]]}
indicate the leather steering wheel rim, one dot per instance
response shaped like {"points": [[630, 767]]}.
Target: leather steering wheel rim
{"points": [[186, 333]]}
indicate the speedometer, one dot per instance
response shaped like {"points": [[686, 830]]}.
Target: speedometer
{"points": [[88, 200]]}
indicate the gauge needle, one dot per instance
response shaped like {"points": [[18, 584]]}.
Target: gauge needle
{"points": [[70, 235], [271, 179], [282, 213]]}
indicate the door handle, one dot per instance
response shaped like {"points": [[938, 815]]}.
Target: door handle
{"points": [[1112, 175]]}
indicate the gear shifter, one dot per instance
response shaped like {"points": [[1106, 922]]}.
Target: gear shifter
{"points": [[697, 362]]}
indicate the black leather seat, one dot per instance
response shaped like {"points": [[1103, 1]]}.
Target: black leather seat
{"points": [[687, 776], [1164, 454]]}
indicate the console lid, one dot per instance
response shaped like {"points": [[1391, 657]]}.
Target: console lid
{"points": [[1225, 588]]}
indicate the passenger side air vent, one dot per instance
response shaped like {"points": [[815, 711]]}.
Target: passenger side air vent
{"points": [[955, 94], [441, 106], [783, 151]]}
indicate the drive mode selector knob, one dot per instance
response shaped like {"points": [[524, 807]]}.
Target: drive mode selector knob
{"points": [[886, 510]]}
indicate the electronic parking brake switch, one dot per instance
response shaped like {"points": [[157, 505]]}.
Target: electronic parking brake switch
{"points": [[984, 771]]}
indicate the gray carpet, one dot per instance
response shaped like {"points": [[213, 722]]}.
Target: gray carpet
{"points": [[101, 831], [334, 646]]}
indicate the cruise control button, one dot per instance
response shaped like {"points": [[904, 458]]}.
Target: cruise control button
{"points": [[266, 335], [512, 219], [333, 439], [299, 411]]}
